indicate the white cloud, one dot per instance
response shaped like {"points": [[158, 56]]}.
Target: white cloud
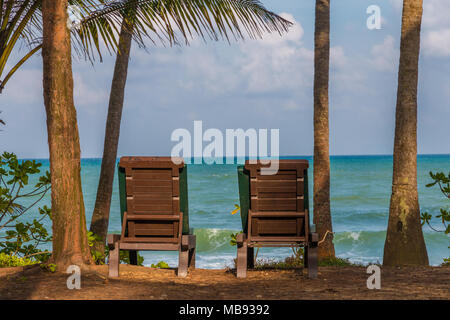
{"points": [[385, 55], [437, 43], [272, 65], [85, 95], [436, 13], [276, 64], [337, 57], [436, 26], [397, 4], [24, 86]]}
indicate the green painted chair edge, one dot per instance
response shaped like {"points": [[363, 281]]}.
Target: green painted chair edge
{"points": [[244, 194]]}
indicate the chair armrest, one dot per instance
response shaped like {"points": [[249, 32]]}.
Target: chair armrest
{"points": [[188, 242], [240, 239], [314, 238], [112, 239]]}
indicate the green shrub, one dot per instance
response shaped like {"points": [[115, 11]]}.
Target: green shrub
{"points": [[161, 265], [125, 258], [21, 239], [335, 262], [7, 260], [443, 182]]}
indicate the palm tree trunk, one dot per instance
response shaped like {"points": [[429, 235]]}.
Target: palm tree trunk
{"points": [[70, 244], [100, 216], [322, 214], [405, 244]]}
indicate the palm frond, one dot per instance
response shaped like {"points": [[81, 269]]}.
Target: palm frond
{"points": [[162, 21]]}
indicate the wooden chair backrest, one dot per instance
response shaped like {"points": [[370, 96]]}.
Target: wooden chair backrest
{"points": [[277, 202], [152, 198]]}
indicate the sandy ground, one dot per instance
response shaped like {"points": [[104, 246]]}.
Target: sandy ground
{"points": [[148, 283]]}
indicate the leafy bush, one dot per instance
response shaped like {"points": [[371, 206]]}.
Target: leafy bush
{"points": [[443, 181], [161, 265], [7, 260], [233, 237], [21, 239], [97, 256], [294, 261]]}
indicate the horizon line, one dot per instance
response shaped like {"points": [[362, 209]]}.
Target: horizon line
{"points": [[282, 156]]}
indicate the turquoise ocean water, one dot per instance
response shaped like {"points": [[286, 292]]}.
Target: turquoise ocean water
{"points": [[360, 193]]}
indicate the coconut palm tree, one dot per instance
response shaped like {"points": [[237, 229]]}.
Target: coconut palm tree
{"points": [[70, 246], [211, 19], [321, 198], [43, 24], [405, 244]]}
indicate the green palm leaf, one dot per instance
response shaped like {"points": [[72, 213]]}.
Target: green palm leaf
{"points": [[164, 20], [160, 21]]}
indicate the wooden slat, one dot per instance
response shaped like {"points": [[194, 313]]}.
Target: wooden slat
{"points": [[149, 246], [271, 195], [143, 192], [282, 189], [278, 227], [143, 204], [143, 200], [276, 183], [278, 214], [151, 240], [277, 239], [149, 229], [153, 217], [282, 175], [152, 210], [150, 183], [275, 244], [277, 204], [156, 191], [152, 174], [147, 207]]}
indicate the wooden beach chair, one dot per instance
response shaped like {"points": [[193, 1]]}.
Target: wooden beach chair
{"points": [[275, 213], [154, 208]]}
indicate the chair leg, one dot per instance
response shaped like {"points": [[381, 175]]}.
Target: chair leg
{"points": [[241, 263], [312, 260], [250, 258], [113, 265], [183, 261], [192, 253], [305, 256], [133, 257]]}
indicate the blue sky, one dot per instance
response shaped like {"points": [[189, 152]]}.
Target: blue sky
{"points": [[254, 84]]}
